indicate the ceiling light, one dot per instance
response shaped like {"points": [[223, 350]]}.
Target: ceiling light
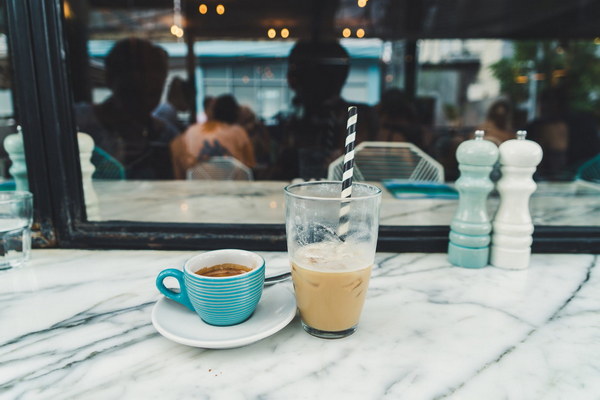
{"points": [[203, 8], [220, 9], [285, 33], [360, 33], [346, 32], [271, 33], [362, 3]]}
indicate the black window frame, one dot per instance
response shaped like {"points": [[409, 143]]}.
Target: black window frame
{"points": [[43, 101]]}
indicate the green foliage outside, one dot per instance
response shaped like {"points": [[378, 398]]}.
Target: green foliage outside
{"points": [[572, 65]]}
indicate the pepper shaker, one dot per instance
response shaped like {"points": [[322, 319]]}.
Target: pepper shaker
{"points": [[470, 228], [511, 240]]}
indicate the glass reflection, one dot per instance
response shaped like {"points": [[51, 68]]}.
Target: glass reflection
{"points": [[229, 97], [13, 171]]}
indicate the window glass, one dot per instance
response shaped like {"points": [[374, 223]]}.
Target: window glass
{"points": [[13, 173], [204, 115]]}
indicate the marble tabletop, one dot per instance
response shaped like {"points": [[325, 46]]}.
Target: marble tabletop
{"points": [[261, 202], [76, 324]]}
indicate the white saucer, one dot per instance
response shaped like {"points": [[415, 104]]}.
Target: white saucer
{"points": [[277, 307]]}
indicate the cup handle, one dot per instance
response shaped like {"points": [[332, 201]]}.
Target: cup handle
{"points": [[182, 296]]}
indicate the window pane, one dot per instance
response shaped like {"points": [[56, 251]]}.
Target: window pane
{"points": [[159, 114], [13, 172]]}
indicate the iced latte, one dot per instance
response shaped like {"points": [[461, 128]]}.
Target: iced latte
{"points": [[331, 266], [330, 281]]}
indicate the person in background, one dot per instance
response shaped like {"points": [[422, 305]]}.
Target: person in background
{"points": [[207, 104], [398, 120], [551, 131], [261, 141], [313, 135], [123, 125], [179, 100], [498, 122], [220, 135]]}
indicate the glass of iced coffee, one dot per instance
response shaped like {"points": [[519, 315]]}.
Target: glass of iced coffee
{"points": [[331, 244]]}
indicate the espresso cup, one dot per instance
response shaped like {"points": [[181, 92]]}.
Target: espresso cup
{"points": [[218, 300]]}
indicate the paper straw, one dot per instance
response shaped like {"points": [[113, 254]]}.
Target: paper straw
{"points": [[348, 171]]}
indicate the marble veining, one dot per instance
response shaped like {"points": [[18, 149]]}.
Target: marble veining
{"points": [[75, 324]]}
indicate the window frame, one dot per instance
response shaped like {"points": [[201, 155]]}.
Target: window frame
{"points": [[44, 101]]}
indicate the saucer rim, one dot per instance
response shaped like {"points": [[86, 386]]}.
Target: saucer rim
{"points": [[231, 343]]}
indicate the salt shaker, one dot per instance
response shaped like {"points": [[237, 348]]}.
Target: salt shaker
{"points": [[86, 147], [13, 144], [470, 229], [511, 240]]}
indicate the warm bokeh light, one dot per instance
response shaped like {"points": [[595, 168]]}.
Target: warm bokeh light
{"points": [[346, 32], [521, 79], [285, 33], [360, 33], [203, 8], [559, 73], [67, 10], [271, 33], [362, 3], [220, 9], [176, 31]]}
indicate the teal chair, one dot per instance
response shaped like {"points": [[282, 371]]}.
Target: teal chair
{"points": [[588, 174], [107, 167]]}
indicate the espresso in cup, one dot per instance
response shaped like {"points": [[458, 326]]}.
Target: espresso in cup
{"points": [[222, 270], [223, 286]]}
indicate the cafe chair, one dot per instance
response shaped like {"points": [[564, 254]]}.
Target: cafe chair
{"points": [[376, 161], [220, 169], [107, 167], [588, 175]]}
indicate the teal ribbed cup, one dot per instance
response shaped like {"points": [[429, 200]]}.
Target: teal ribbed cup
{"points": [[220, 301]]}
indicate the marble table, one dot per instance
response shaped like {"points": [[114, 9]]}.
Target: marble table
{"points": [[75, 324], [262, 202]]}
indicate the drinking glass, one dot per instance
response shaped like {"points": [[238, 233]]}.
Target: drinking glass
{"points": [[16, 212], [331, 266]]}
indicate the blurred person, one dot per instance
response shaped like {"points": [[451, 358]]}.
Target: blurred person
{"points": [[220, 135], [398, 120], [260, 138], [498, 123], [207, 104], [179, 100], [313, 134], [123, 125], [551, 131]]}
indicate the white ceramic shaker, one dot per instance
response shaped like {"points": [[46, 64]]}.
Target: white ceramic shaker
{"points": [[512, 226], [13, 144], [86, 146]]}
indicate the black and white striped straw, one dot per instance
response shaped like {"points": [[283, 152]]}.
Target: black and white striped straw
{"points": [[348, 171]]}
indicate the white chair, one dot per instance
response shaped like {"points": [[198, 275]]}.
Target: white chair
{"points": [[376, 161], [220, 169]]}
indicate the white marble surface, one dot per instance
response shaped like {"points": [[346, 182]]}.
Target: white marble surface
{"points": [[75, 324], [262, 202]]}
